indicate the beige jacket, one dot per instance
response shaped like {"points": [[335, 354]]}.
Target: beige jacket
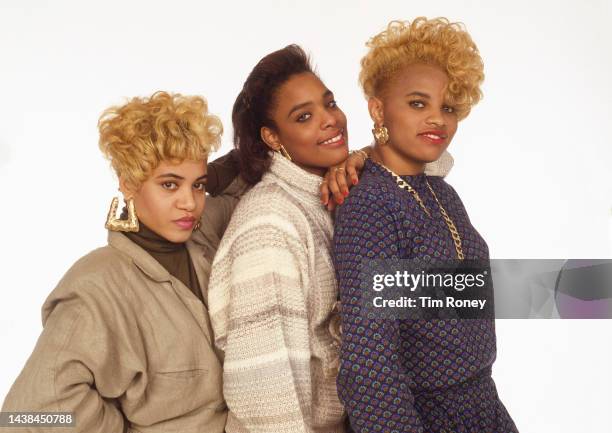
{"points": [[126, 346]]}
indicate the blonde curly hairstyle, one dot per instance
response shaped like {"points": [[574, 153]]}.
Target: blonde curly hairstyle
{"points": [[435, 42], [138, 135]]}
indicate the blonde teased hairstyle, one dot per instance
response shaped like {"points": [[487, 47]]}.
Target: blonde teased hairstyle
{"points": [[138, 135], [436, 42]]}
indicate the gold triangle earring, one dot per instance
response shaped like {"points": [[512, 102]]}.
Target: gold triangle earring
{"points": [[118, 225], [284, 152], [381, 134]]}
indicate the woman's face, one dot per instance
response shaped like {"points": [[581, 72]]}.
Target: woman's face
{"points": [[309, 124], [414, 108], [171, 201]]}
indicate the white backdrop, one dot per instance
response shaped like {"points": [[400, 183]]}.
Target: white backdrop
{"points": [[533, 160]]}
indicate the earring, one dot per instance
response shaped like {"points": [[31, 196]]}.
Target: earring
{"points": [[284, 152], [196, 227], [381, 134], [118, 225]]}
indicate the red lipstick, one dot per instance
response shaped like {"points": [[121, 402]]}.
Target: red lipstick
{"points": [[434, 136], [185, 223]]}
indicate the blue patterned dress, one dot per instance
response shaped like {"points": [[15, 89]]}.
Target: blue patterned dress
{"points": [[411, 376]]}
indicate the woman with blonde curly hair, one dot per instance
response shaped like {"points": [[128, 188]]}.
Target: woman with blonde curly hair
{"points": [[398, 374], [127, 343]]}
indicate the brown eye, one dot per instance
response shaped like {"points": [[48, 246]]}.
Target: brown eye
{"points": [[304, 117], [169, 185], [417, 104], [200, 186]]}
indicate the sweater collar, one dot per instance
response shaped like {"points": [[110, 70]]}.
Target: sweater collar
{"points": [[300, 183]]}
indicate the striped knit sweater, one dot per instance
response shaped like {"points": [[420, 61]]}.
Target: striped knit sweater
{"points": [[271, 294]]}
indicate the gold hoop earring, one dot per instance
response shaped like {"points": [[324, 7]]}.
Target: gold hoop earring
{"points": [[381, 134], [118, 225], [284, 152]]}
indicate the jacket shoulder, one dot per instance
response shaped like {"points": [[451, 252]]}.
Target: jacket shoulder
{"points": [[96, 265], [100, 279]]}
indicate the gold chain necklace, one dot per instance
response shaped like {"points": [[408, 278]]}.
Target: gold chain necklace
{"points": [[447, 219]]}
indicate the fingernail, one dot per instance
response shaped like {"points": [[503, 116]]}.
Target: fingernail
{"points": [[346, 193]]}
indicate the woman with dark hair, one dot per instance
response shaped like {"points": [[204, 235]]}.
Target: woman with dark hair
{"points": [[273, 292], [272, 288]]}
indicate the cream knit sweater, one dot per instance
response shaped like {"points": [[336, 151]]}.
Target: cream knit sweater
{"points": [[271, 293]]}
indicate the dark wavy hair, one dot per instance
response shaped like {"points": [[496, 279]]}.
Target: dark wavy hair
{"points": [[254, 104]]}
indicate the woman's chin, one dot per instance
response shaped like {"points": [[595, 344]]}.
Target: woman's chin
{"points": [[431, 155], [336, 156], [177, 236]]}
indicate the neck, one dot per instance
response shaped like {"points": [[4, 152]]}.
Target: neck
{"points": [[396, 162], [153, 242], [313, 170], [303, 184]]}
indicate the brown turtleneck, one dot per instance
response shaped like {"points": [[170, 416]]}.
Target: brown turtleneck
{"points": [[174, 257]]}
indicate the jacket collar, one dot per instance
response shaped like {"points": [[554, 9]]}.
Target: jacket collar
{"points": [[154, 270], [151, 267], [145, 262]]}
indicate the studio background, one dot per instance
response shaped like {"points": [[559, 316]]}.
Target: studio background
{"points": [[532, 162]]}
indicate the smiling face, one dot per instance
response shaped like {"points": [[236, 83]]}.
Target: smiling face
{"points": [[413, 107], [171, 200], [309, 124]]}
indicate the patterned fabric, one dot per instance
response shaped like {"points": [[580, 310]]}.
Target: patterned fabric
{"points": [[411, 376], [271, 295]]}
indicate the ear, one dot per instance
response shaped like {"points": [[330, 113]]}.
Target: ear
{"points": [[270, 138], [125, 188], [376, 109]]}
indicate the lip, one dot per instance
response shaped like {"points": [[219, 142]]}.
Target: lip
{"points": [[340, 142], [185, 223], [434, 136]]}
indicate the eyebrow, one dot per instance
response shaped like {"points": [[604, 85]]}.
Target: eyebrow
{"points": [[421, 94], [305, 104], [177, 177]]}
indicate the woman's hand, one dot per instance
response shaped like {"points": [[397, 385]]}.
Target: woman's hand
{"points": [[342, 177]]}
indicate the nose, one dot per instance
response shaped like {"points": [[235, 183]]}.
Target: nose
{"points": [[329, 120], [435, 118], [186, 200]]}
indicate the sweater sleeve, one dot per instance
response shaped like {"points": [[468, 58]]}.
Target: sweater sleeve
{"points": [[257, 301], [78, 366], [372, 381]]}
